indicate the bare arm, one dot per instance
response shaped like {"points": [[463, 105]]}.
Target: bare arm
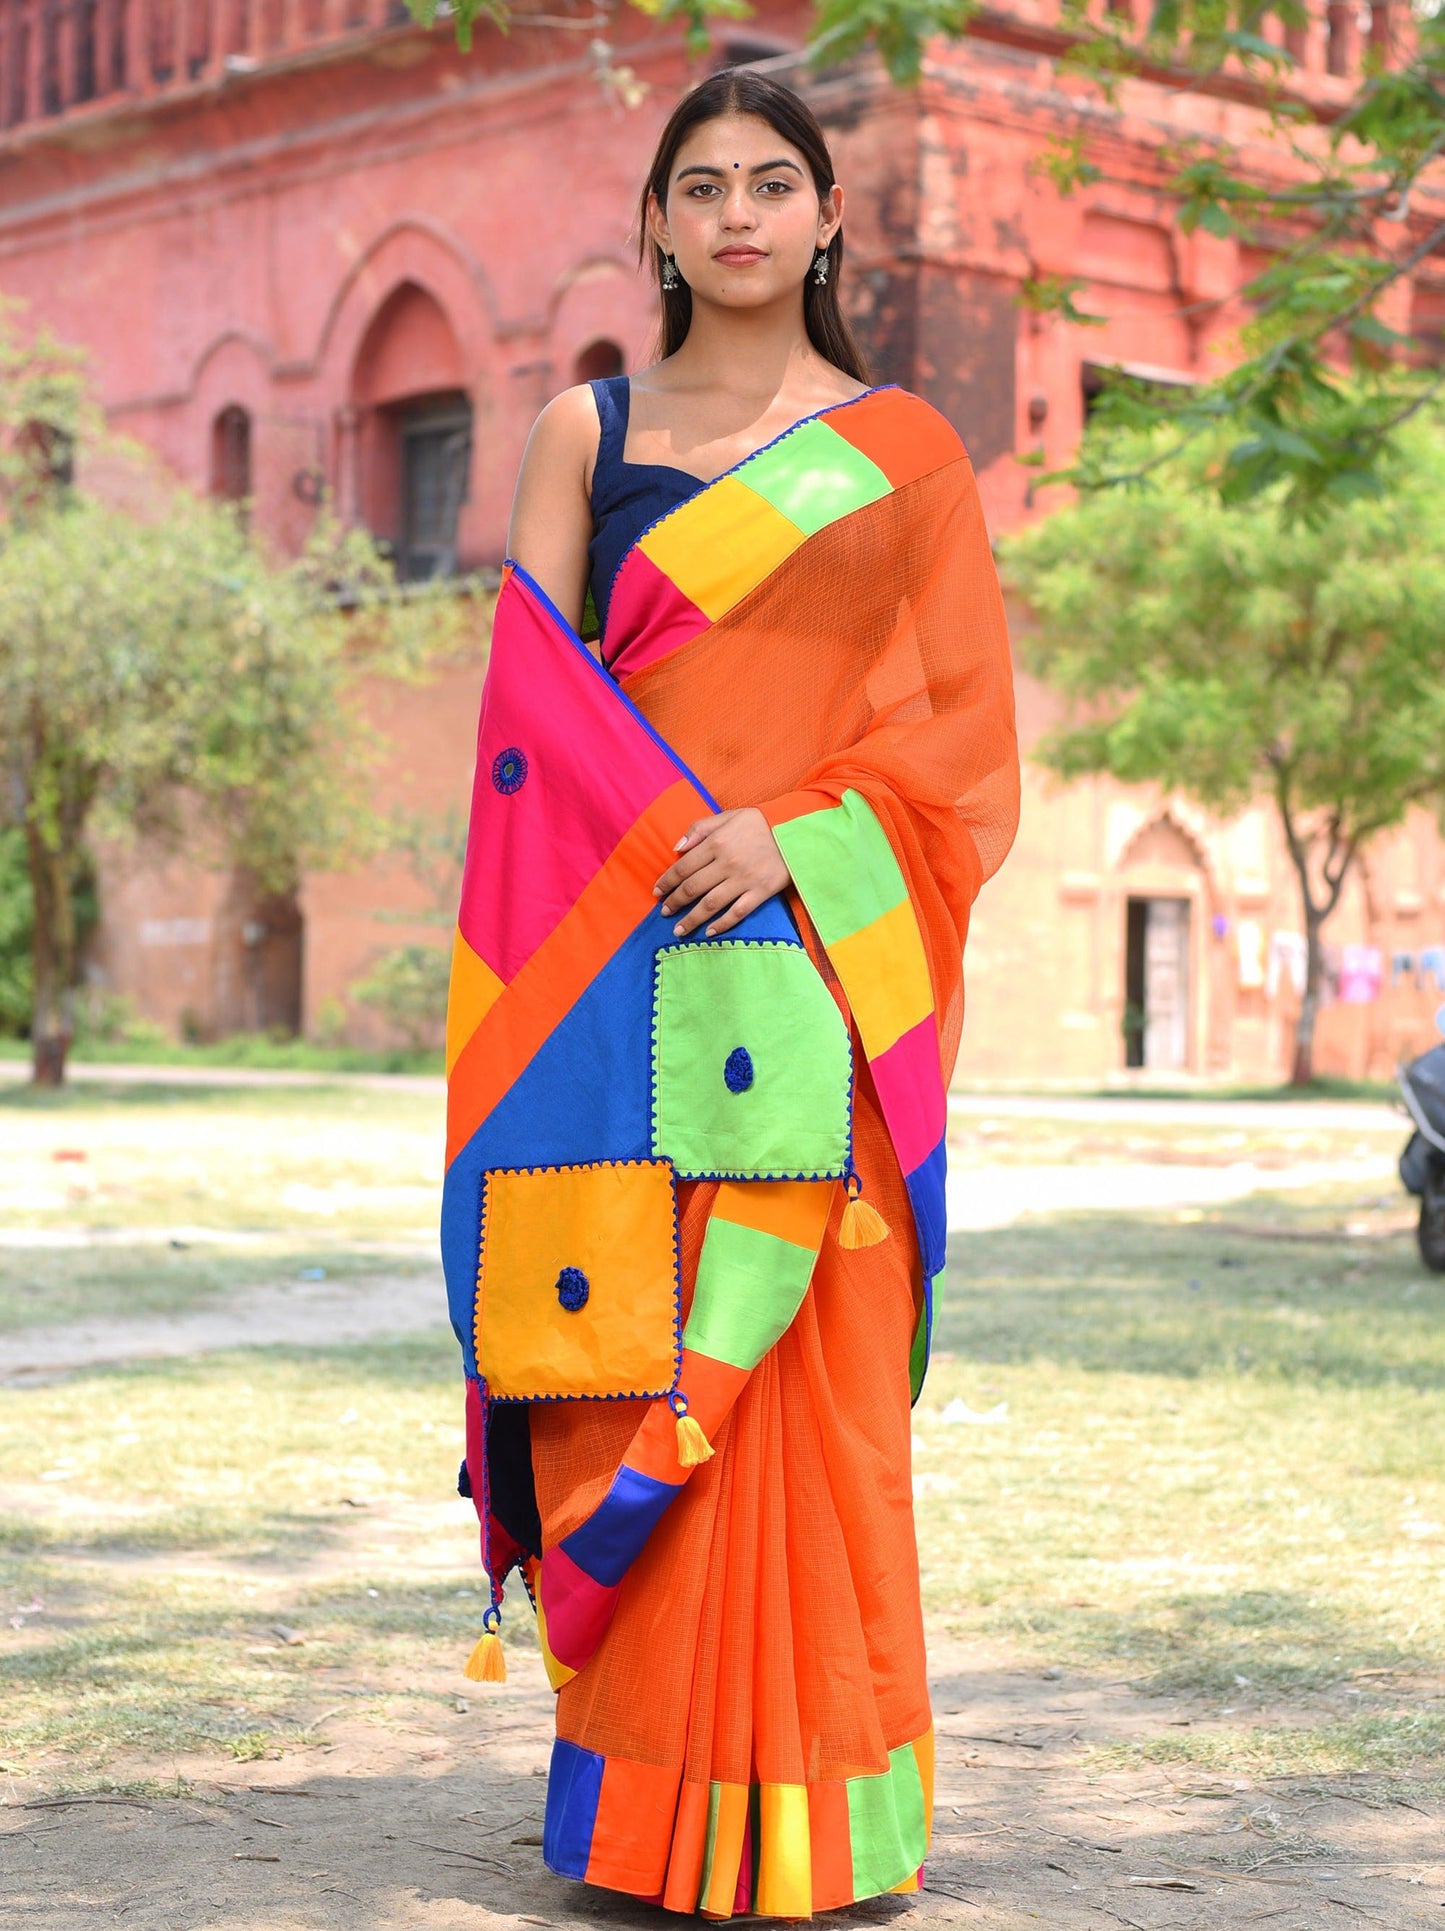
{"points": [[552, 510]]}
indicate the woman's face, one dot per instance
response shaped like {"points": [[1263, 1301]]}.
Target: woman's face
{"points": [[742, 215]]}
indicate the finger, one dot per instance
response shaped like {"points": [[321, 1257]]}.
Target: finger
{"points": [[703, 854], [735, 914], [706, 908], [705, 879], [697, 831]]}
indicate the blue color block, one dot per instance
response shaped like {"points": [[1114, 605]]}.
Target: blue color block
{"points": [[611, 1539], [928, 1191], [574, 1785]]}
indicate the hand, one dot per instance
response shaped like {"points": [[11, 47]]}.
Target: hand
{"points": [[729, 865]]}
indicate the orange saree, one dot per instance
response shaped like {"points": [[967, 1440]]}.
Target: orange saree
{"points": [[742, 1717]]}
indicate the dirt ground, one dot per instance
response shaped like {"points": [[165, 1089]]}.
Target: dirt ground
{"points": [[438, 1824]]}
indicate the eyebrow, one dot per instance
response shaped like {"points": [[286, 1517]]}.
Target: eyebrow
{"points": [[763, 167]]}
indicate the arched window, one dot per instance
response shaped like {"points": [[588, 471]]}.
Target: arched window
{"points": [[231, 455], [598, 359]]}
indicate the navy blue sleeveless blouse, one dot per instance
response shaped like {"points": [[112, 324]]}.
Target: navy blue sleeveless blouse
{"points": [[627, 498]]}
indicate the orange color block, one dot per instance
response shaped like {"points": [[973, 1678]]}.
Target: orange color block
{"points": [[923, 1752], [795, 1210], [473, 991], [727, 1850], [689, 1842], [830, 1845], [546, 988], [635, 1810], [903, 435]]}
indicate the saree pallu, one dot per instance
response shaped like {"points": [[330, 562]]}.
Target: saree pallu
{"points": [[737, 1643]]}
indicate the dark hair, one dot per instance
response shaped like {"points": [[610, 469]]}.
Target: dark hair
{"points": [[740, 90]]}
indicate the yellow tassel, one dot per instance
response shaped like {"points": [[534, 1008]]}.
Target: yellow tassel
{"points": [[487, 1664], [862, 1225], [693, 1446]]}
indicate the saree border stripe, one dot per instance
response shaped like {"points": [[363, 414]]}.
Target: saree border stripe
{"points": [[712, 1388], [785, 1863], [557, 1671], [607, 1544], [579, 1608], [607, 910], [574, 1785], [778, 1849], [787, 1208], [910, 1091], [632, 1828]]}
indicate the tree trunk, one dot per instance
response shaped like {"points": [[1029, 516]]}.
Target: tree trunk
{"points": [[1303, 1070], [52, 1023]]}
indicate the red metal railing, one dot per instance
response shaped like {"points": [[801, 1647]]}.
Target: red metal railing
{"points": [[59, 56]]}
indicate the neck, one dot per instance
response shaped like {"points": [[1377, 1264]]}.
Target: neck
{"points": [[755, 352]]}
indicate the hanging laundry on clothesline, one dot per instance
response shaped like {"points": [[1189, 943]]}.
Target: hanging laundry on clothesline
{"points": [[1288, 958], [1362, 975], [1432, 966]]}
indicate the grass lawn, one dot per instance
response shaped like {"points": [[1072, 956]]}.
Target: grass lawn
{"points": [[1219, 1472]]}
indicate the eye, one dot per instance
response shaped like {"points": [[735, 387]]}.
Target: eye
{"points": [[702, 190], [775, 188]]}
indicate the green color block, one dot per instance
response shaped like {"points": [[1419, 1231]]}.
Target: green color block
{"points": [[886, 1824], [918, 1357], [749, 1287], [814, 476], [714, 1799], [843, 865], [764, 1000]]}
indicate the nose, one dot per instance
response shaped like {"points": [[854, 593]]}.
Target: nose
{"points": [[739, 216]]}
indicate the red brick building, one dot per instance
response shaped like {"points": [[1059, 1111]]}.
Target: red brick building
{"points": [[315, 250]]}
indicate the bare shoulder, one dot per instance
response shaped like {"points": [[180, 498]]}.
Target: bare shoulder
{"points": [[567, 427]]}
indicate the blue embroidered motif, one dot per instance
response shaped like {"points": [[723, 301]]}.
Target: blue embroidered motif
{"points": [[573, 1288], [509, 771], [738, 1073]]}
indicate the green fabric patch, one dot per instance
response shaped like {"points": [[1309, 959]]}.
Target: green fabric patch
{"points": [[886, 1824], [749, 1287], [918, 1357], [814, 476], [843, 865], [784, 1112]]}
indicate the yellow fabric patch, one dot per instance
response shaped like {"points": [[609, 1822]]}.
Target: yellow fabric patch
{"points": [[721, 544], [473, 992], [885, 975], [923, 1757], [727, 1850], [785, 1862], [604, 1235]]}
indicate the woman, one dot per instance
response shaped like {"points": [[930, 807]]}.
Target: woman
{"points": [[793, 587]]}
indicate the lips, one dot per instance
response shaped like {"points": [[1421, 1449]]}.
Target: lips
{"points": [[739, 257]]}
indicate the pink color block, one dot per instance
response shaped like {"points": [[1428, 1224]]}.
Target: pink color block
{"points": [[592, 769], [578, 1610], [910, 1091], [647, 616]]}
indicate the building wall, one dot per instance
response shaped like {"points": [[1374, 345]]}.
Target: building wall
{"points": [[321, 242]]}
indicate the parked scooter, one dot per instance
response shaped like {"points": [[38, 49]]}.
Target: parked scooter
{"points": [[1422, 1164]]}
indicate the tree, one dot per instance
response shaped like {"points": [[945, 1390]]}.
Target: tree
{"points": [[1236, 653], [162, 675]]}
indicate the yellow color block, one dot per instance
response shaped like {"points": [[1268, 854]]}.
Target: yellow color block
{"points": [[785, 1862], [885, 974], [615, 1224], [923, 1756], [473, 992], [721, 544]]}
